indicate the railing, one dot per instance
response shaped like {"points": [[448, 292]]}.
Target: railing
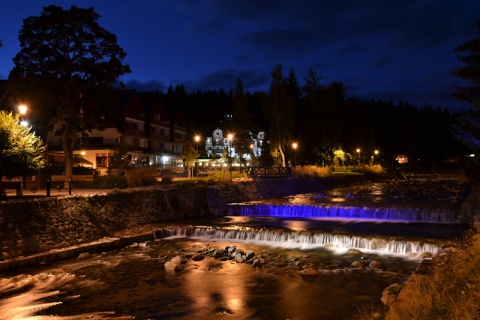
{"points": [[269, 171], [47, 188]]}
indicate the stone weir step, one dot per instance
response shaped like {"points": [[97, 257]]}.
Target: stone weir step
{"points": [[407, 214], [101, 245]]}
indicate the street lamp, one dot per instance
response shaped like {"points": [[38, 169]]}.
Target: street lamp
{"points": [[197, 139], [22, 110], [294, 146], [229, 159], [375, 155], [358, 157]]}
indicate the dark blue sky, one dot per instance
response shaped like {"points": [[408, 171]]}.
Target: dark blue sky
{"points": [[400, 50]]}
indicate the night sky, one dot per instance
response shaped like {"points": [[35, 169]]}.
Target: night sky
{"points": [[399, 50]]}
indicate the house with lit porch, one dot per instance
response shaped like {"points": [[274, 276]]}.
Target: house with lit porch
{"points": [[142, 125]]}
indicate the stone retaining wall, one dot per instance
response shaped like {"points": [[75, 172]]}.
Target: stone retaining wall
{"points": [[30, 227]]}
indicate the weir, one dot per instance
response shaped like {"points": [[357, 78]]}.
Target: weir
{"points": [[309, 239], [408, 214]]}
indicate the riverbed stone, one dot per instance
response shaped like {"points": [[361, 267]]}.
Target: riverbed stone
{"points": [[375, 264], [309, 272], [357, 264], [389, 294], [198, 257], [240, 258], [169, 265], [179, 260]]}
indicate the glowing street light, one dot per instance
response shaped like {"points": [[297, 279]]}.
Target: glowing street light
{"points": [[294, 146], [197, 140], [375, 152], [229, 159], [22, 110]]}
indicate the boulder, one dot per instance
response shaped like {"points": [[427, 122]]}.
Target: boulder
{"points": [[390, 293], [357, 264], [169, 265], [257, 263], [179, 260], [198, 257], [249, 254], [218, 253], [375, 264], [309, 272], [240, 258]]}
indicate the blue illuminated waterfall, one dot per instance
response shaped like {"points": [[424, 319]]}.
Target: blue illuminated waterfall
{"points": [[430, 215]]}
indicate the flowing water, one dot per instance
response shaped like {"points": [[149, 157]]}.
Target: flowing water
{"points": [[132, 283]]}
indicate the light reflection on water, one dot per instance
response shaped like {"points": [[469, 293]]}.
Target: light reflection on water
{"points": [[133, 283]]}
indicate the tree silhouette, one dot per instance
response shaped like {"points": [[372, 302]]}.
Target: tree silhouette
{"points": [[279, 110], [69, 63], [468, 128]]}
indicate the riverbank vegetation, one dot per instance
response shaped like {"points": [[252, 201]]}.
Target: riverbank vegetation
{"points": [[450, 291]]}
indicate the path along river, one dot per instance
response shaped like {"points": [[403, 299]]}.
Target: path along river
{"points": [[133, 283]]}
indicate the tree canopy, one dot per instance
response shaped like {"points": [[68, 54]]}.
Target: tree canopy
{"points": [[21, 151], [68, 65], [468, 129], [279, 109]]}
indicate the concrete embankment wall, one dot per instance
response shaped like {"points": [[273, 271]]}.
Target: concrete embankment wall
{"points": [[32, 227]]}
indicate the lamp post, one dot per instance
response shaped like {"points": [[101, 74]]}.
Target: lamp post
{"points": [[294, 146], [22, 110], [229, 159], [358, 158], [197, 140], [375, 157]]}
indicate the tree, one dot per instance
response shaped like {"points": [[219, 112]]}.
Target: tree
{"points": [[468, 130], [190, 156], [279, 109], [242, 122], [70, 64], [21, 151], [120, 158]]}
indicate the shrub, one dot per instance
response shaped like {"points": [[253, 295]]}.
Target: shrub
{"points": [[108, 182], [139, 177], [167, 176], [312, 171], [376, 168]]}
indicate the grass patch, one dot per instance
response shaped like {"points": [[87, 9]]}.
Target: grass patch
{"points": [[108, 182], [452, 291], [376, 169], [312, 171]]}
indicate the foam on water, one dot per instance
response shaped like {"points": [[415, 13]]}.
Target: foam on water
{"points": [[304, 239]]}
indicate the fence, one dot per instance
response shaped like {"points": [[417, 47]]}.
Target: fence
{"points": [[18, 189], [269, 172]]}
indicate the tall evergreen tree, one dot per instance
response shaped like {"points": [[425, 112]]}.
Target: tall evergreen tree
{"points": [[243, 123], [468, 130], [279, 110]]}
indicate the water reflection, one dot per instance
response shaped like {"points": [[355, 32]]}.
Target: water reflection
{"points": [[132, 283]]}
